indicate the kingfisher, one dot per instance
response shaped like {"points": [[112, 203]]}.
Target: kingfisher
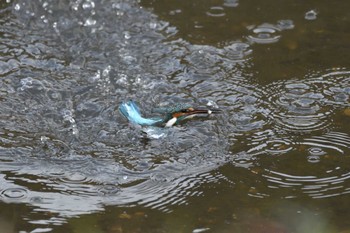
{"points": [[172, 114]]}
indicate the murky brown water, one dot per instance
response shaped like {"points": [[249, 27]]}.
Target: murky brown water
{"points": [[276, 160]]}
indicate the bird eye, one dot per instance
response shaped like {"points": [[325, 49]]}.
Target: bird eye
{"points": [[186, 110]]}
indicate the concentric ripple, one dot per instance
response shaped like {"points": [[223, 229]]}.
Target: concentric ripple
{"points": [[303, 106], [321, 173], [306, 106], [265, 34], [337, 141], [335, 184], [14, 193]]}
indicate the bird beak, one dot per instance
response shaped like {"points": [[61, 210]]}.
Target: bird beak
{"points": [[189, 114], [203, 111]]}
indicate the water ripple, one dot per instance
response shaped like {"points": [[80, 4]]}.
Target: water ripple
{"points": [[63, 139], [176, 193], [303, 106], [333, 140], [267, 33], [264, 34], [326, 151], [14, 193], [216, 11], [313, 186]]}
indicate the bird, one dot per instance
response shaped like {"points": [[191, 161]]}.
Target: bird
{"points": [[172, 114]]}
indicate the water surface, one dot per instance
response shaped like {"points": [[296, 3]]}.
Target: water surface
{"points": [[275, 160]]}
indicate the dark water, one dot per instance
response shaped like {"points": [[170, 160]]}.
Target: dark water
{"points": [[276, 160]]}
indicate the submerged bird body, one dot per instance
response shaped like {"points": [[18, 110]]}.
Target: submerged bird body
{"points": [[172, 115]]}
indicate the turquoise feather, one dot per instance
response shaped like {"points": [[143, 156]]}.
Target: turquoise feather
{"points": [[131, 111]]}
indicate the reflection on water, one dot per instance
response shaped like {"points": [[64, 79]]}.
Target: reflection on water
{"points": [[65, 150]]}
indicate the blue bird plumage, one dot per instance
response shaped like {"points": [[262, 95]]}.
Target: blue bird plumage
{"points": [[132, 112], [173, 114]]}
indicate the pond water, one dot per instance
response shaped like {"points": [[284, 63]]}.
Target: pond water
{"points": [[276, 160]]}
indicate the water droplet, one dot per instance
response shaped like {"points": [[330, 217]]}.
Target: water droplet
{"points": [[75, 130], [44, 19], [127, 35], [75, 5], [44, 139], [311, 15], [153, 25], [90, 22], [17, 7], [123, 79], [45, 4], [88, 5], [211, 103], [96, 77], [106, 71]]}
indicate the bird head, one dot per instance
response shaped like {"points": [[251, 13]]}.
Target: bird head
{"points": [[182, 112]]}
